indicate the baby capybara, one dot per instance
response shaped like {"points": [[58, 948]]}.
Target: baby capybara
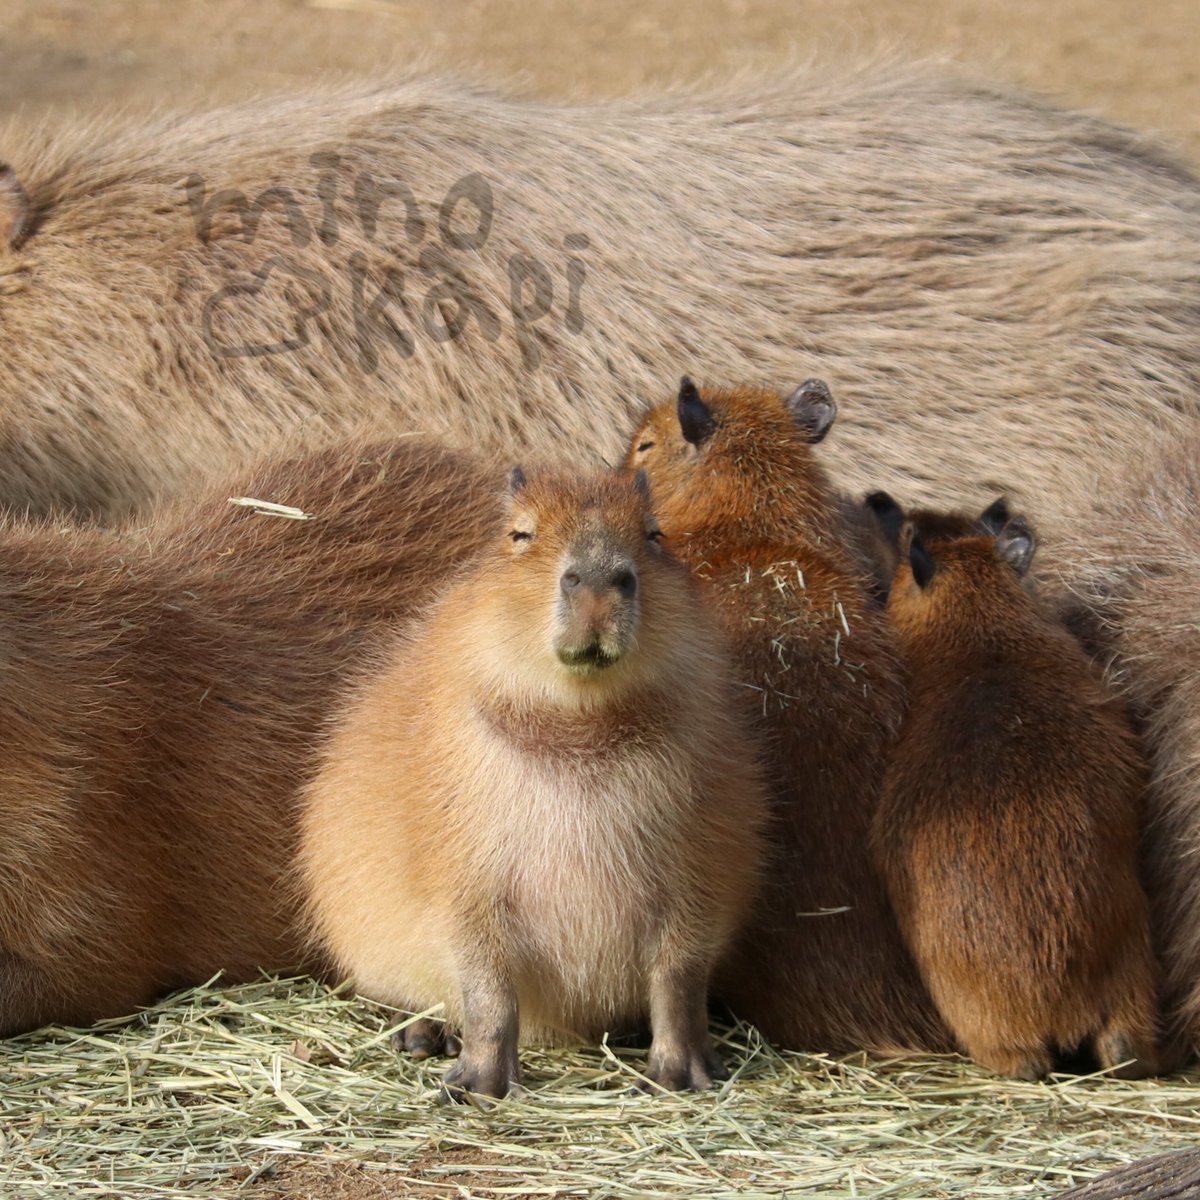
{"points": [[742, 499], [162, 695], [543, 813], [1008, 826]]}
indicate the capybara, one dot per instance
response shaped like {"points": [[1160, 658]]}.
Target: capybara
{"points": [[1005, 293], [742, 499], [543, 813], [880, 553], [1132, 591], [1008, 828], [163, 694]]}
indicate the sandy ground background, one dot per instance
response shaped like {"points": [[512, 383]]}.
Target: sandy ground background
{"points": [[1137, 63]]}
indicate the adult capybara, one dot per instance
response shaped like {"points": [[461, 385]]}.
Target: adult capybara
{"points": [[741, 498], [162, 695], [1005, 293], [1008, 827], [543, 813], [1132, 592]]}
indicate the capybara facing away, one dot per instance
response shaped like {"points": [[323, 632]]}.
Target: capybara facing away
{"points": [[821, 965], [1006, 294], [544, 812], [162, 695], [1008, 828]]}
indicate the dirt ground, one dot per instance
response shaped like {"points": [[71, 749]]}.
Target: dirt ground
{"points": [[1138, 63]]}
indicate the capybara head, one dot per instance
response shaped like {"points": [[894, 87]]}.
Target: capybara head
{"points": [[581, 589], [959, 579], [928, 525], [731, 457]]}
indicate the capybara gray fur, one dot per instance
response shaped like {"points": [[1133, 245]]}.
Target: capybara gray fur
{"points": [[1132, 592], [164, 687], [1003, 293]]}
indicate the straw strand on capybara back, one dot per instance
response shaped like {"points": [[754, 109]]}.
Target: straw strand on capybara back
{"points": [[163, 689], [157, 319], [1008, 828], [543, 812], [821, 965]]}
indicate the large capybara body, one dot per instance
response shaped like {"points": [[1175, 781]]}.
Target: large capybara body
{"points": [[163, 689], [821, 965], [543, 813], [1133, 589], [1008, 828], [1004, 293]]}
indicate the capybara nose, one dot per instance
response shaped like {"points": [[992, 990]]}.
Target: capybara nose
{"points": [[625, 581]]}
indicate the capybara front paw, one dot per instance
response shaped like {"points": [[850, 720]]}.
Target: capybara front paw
{"points": [[426, 1038], [694, 1070], [466, 1079]]}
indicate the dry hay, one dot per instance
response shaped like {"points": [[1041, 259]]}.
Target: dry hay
{"points": [[288, 1088]]}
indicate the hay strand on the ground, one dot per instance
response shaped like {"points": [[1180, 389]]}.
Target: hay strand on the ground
{"points": [[235, 1092]]}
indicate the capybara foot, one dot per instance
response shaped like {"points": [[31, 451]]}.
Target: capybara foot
{"points": [[1127, 1056], [467, 1078], [693, 1069], [426, 1038], [1030, 1064]]}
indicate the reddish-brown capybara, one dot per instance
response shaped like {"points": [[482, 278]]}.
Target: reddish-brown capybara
{"points": [[163, 691], [1008, 828], [741, 498], [544, 811], [1005, 293]]}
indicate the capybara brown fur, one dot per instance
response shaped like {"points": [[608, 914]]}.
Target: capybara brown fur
{"points": [[1131, 593], [1008, 828], [1006, 294], [821, 965], [543, 813], [164, 689]]}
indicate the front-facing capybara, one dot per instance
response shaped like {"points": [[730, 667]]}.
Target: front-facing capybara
{"points": [[1008, 828], [544, 812], [162, 693], [741, 498], [1007, 294]]}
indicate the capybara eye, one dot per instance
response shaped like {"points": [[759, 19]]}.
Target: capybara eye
{"points": [[521, 535], [644, 447]]}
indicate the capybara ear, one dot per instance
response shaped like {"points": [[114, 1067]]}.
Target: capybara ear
{"points": [[695, 417], [516, 480], [889, 516], [994, 518], [1016, 545], [16, 213], [813, 407], [919, 559]]}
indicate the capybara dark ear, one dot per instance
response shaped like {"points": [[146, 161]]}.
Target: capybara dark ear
{"points": [[16, 213], [994, 518], [695, 417], [813, 407], [889, 516], [516, 480], [919, 559], [1016, 545]]}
